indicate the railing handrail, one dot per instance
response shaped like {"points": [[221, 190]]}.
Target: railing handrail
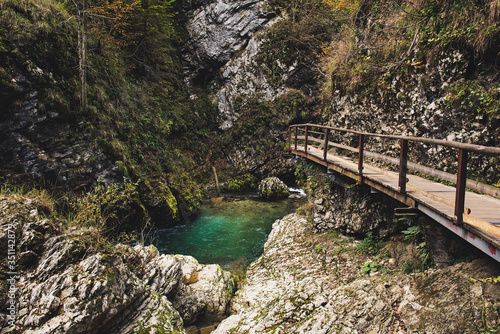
{"points": [[488, 150], [463, 149]]}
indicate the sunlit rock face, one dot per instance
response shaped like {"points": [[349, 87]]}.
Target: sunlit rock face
{"points": [[64, 285], [308, 282], [225, 40], [217, 30]]}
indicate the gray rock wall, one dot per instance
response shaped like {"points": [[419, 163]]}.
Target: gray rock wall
{"points": [[355, 210], [307, 282], [419, 105], [68, 286], [217, 31]]}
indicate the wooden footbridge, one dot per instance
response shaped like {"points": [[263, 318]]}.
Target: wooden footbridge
{"points": [[473, 215]]}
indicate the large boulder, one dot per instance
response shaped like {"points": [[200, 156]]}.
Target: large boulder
{"points": [[205, 290], [272, 188]]}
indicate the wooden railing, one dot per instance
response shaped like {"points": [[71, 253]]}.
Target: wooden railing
{"points": [[321, 135]]}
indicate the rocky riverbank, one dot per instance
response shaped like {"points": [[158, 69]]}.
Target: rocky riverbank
{"points": [[67, 284], [306, 281], [309, 282]]}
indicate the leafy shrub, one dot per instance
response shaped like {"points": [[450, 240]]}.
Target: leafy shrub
{"points": [[370, 244], [414, 235], [299, 38], [370, 267], [107, 209], [475, 97], [241, 183]]}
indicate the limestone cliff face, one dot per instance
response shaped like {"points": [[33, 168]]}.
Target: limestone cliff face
{"points": [[223, 42], [217, 31], [419, 105]]}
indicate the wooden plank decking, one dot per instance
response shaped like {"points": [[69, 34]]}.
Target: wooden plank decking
{"points": [[434, 199]]}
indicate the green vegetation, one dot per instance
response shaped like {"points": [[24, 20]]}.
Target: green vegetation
{"points": [[382, 41], [370, 244], [299, 38], [313, 179], [370, 267], [480, 100], [245, 182], [414, 235], [107, 210], [35, 35], [135, 105]]}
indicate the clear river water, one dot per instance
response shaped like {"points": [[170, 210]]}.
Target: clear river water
{"points": [[230, 232]]}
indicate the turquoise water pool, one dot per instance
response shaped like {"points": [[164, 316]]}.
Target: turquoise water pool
{"points": [[229, 232]]}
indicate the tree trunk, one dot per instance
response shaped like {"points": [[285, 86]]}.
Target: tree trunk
{"points": [[82, 41]]}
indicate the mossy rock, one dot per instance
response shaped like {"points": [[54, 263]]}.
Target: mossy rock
{"points": [[159, 201], [243, 182], [272, 188]]}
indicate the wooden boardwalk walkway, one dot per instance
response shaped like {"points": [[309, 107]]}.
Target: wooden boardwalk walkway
{"points": [[479, 224]]}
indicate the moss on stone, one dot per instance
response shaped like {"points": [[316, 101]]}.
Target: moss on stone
{"points": [[273, 188]]}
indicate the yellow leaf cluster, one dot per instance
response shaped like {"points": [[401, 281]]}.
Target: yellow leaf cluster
{"points": [[343, 6], [116, 14]]}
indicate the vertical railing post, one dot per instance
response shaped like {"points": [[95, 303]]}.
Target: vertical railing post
{"points": [[460, 191], [296, 135], [360, 153], [289, 139], [403, 165], [327, 134], [305, 143]]}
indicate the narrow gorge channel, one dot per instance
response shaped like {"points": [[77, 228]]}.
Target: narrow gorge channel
{"points": [[119, 118], [229, 231]]}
